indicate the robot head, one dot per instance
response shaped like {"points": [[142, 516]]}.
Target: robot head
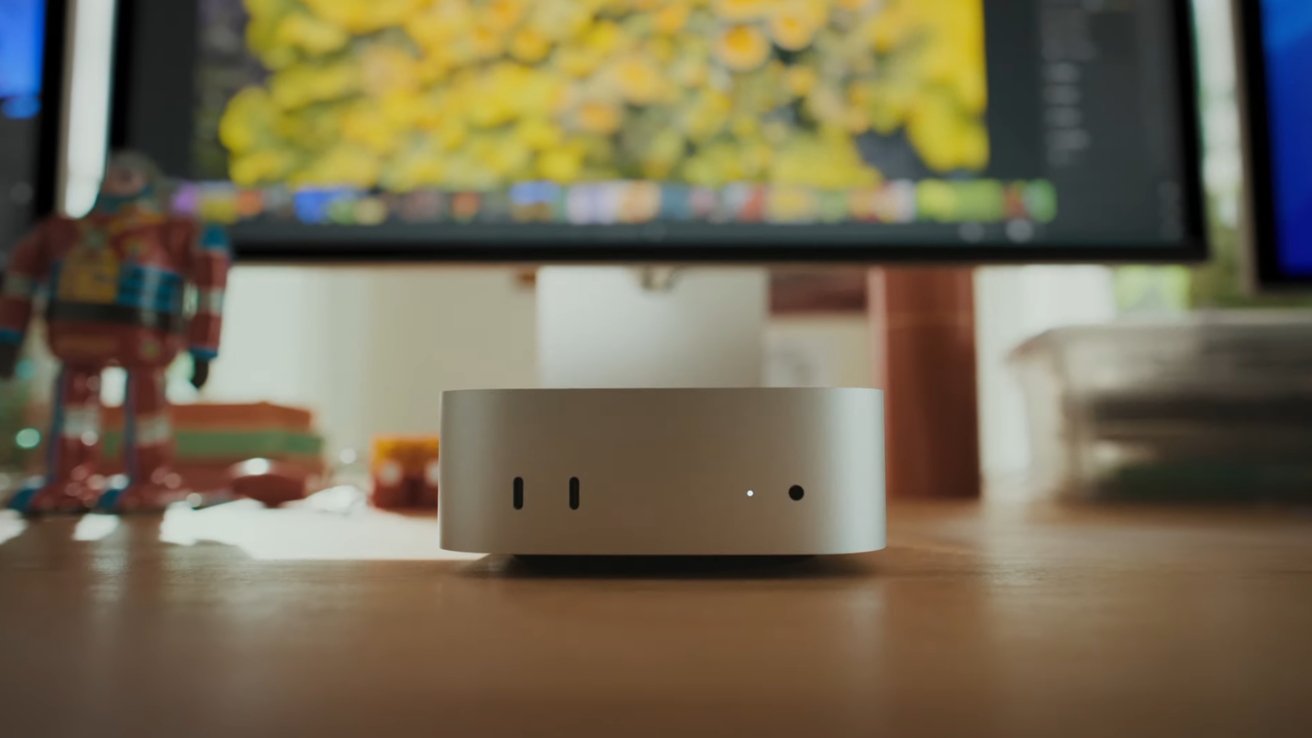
{"points": [[131, 179]]}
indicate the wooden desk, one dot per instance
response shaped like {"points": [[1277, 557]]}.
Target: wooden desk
{"points": [[993, 621]]}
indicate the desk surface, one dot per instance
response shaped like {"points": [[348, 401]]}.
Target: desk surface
{"points": [[977, 621]]}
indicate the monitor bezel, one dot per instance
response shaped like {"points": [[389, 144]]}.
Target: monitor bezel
{"points": [[50, 129], [1192, 248]]}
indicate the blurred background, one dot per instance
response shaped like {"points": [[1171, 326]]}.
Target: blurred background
{"points": [[367, 349]]}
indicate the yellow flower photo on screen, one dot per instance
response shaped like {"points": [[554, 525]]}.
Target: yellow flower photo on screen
{"points": [[529, 45], [310, 35], [793, 25], [740, 10], [504, 15], [562, 165], [742, 48], [406, 94], [341, 165], [363, 16], [672, 17], [638, 79], [599, 117], [367, 125]]}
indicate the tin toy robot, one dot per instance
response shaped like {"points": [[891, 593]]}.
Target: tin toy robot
{"points": [[116, 285]]}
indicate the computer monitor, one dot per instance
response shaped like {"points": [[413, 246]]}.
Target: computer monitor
{"points": [[1276, 43], [30, 39], [672, 130]]}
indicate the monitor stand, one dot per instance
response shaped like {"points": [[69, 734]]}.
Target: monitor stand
{"points": [[651, 327]]}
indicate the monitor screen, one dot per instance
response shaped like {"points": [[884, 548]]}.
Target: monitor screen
{"points": [[1279, 45], [22, 44], [811, 130]]}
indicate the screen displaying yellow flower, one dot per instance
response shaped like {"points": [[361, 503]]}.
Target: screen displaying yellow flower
{"points": [[407, 94]]}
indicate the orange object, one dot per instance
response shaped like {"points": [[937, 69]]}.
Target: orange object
{"points": [[924, 323], [404, 472], [271, 482], [228, 416]]}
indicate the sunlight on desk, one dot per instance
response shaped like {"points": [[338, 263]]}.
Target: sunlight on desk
{"points": [[94, 527], [297, 534], [12, 525]]}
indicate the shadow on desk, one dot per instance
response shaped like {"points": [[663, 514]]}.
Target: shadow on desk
{"points": [[669, 567]]}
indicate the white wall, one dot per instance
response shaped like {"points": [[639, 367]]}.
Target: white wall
{"points": [[371, 349], [1011, 305], [820, 350]]}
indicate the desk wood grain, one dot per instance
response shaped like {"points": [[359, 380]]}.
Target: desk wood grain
{"points": [[978, 621]]}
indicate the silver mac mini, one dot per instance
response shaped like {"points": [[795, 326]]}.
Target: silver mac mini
{"points": [[663, 472]]}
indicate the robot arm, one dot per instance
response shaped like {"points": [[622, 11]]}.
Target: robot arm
{"points": [[25, 272], [210, 276]]}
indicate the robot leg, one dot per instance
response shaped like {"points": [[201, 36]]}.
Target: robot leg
{"points": [[147, 446], [72, 447]]}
